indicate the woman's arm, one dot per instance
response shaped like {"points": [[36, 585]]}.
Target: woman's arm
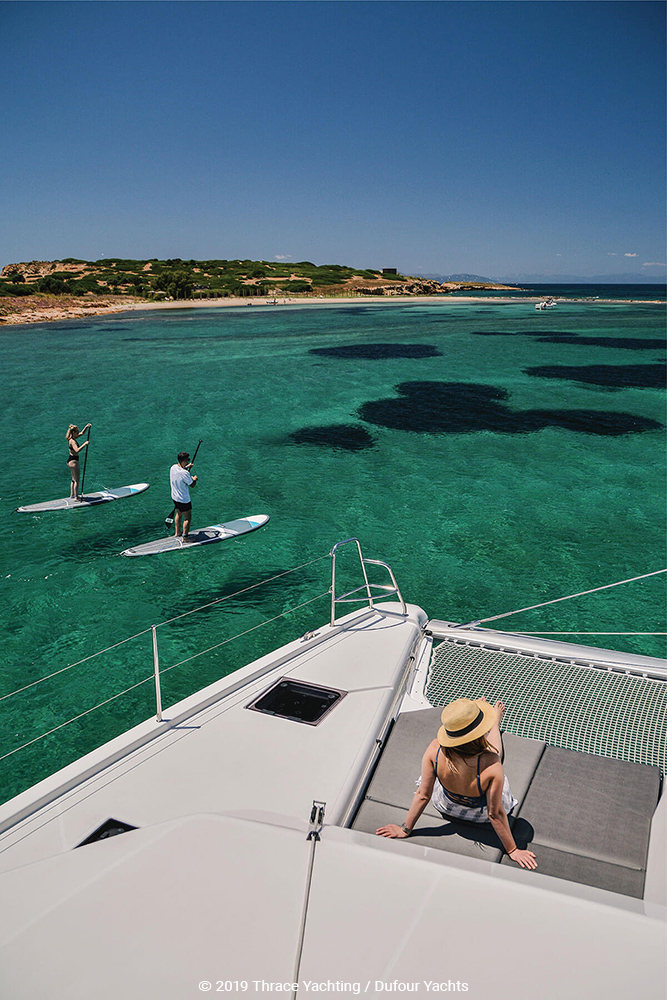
{"points": [[73, 442], [420, 800], [499, 821]]}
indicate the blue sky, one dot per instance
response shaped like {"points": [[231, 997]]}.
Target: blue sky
{"points": [[499, 138]]}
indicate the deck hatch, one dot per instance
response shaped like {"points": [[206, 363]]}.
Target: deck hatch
{"points": [[110, 828], [298, 701]]}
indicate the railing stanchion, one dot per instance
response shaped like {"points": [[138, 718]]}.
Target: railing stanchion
{"points": [[156, 667], [385, 589]]}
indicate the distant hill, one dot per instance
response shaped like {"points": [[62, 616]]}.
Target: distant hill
{"points": [[641, 278], [555, 279]]}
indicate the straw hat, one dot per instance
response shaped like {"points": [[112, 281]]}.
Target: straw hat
{"points": [[464, 720]]}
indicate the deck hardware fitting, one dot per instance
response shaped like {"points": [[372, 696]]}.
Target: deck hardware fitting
{"points": [[156, 668], [315, 826]]}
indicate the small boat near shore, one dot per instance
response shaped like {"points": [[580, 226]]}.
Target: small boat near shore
{"points": [[228, 844], [546, 304]]}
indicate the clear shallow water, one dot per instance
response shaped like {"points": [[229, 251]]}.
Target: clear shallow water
{"points": [[483, 479]]}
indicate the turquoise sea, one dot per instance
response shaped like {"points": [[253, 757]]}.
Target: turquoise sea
{"points": [[496, 457]]}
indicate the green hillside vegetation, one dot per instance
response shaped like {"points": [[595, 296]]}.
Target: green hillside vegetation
{"points": [[186, 279]]}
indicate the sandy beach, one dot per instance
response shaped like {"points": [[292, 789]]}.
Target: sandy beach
{"points": [[316, 300], [21, 311], [26, 310]]}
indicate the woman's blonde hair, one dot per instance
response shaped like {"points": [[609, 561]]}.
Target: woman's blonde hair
{"points": [[70, 430], [472, 749]]}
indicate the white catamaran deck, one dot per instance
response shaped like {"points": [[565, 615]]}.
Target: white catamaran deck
{"points": [[212, 898], [210, 754], [230, 876]]}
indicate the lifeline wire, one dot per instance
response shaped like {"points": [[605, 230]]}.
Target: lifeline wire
{"points": [[145, 631], [151, 677], [163, 670], [582, 593], [76, 664], [218, 600], [252, 586], [80, 716]]}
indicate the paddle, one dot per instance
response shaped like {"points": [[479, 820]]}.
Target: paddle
{"points": [[85, 459], [170, 519]]}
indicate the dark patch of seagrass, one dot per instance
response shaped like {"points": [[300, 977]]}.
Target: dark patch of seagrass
{"points": [[376, 352], [344, 437], [461, 407]]}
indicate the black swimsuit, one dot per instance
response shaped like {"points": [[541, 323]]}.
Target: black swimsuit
{"points": [[472, 801]]}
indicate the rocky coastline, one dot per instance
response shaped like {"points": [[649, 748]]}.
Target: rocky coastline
{"points": [[19, 310]]}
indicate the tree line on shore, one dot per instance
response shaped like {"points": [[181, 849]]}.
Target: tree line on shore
{"points": [[184, 279]]}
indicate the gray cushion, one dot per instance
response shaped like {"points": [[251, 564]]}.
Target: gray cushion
{"points": [[395, 778], [522, 758], [589, 871], [459, 838], [592, 806]]}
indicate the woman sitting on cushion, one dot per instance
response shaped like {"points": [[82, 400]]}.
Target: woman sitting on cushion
{"points": [[463, 774]]}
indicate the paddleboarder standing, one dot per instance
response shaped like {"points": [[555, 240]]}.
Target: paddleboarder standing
{"points": [[181, 481], [73, 433]]}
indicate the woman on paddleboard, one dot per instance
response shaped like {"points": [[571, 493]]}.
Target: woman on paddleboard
{"points": [[73, 433]]}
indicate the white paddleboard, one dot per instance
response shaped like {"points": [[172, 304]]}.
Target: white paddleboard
{"points": [[202, 536], [87, 500]]}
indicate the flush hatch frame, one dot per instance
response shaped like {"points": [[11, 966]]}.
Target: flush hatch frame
{"points": [[275, 701], [110, 828]]}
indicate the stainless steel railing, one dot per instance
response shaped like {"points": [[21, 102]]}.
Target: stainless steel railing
{"points": [[385, 590]]}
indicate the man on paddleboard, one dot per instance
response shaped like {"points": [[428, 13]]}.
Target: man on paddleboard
{"points": [[181, 481]]}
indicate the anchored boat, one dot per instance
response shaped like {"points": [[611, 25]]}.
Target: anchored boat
{"points": [[228, 844]]}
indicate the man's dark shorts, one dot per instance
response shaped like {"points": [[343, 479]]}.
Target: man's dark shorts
{"points": [[183, 507]]}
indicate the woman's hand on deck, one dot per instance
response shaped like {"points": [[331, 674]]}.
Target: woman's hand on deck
{"points": [[391, 830], [525, 859]]}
